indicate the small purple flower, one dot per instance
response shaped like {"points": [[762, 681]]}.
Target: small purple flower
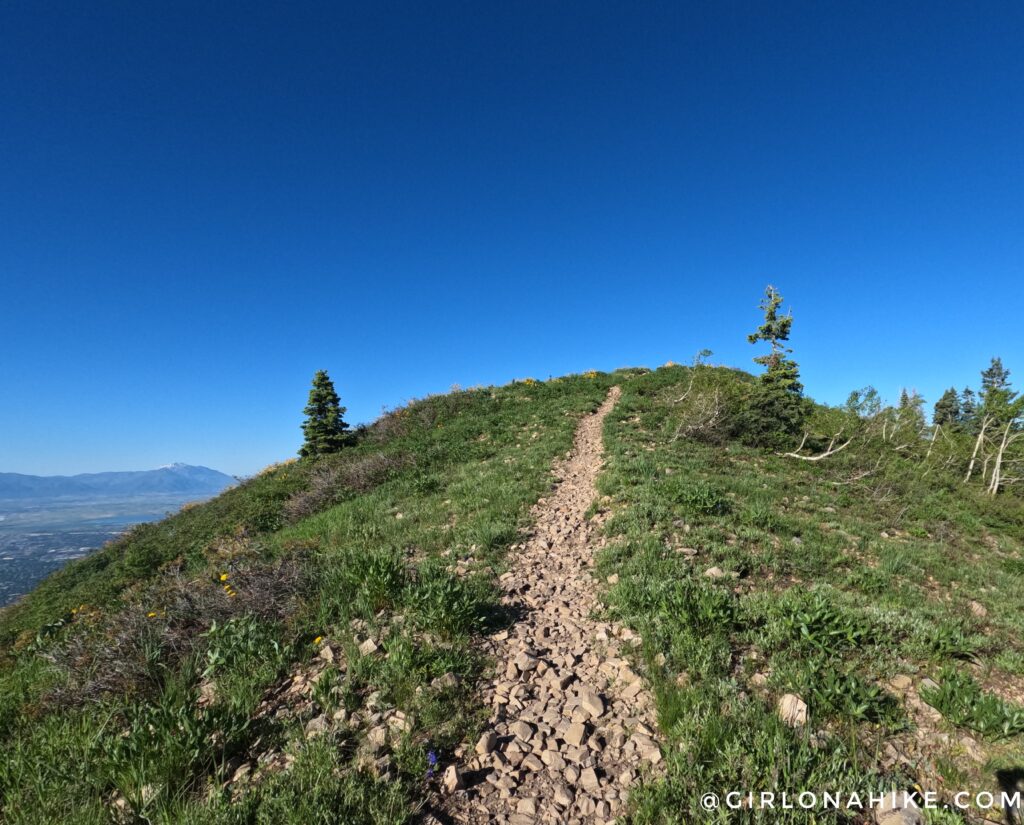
{"points": [[432, 763]]}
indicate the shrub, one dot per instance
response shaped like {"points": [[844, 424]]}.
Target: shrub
{"points": [[848, 695], [330, 480], [359, 580], [771, 417], [814, 622], [962, 701], [693, 603], [761, 513], [706, 406], [948, 638], [164, 748], [238, 639], [445, 604], [362, 473], [702, 499], [132, 651]]}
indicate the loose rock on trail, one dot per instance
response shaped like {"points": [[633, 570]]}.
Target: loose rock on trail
{"points": [[572, 725]]}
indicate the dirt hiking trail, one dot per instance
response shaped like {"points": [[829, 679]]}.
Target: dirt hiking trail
{"points": [[572, 725]]}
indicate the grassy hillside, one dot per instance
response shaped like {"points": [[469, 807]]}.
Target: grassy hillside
{"points": [[849, 582], [138, 682], [301, 649]]}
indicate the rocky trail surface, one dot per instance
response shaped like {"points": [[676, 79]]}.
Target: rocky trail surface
{"points": [[572, 725]]}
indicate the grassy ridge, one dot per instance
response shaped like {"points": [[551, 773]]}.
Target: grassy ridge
{"points": [[830, 589], [135, 684], [103, 711]]}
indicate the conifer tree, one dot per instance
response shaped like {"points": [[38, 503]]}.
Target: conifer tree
{"points": [[324, 427], [996, 394], [780, 370], [968, 409], [1002, 414], [911, 409], [776, 409], [996, 377], [998, 423], [947, 409]]}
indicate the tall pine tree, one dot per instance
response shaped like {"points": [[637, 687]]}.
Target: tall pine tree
{"points": [[996, 377], [1002, 413], [947, 409], [996, 394], [776, 409], [968, 410], [324, 428], [910, 411], [780, 370]]}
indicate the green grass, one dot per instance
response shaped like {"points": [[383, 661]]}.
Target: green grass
{"points": [[399, 539], [831, 589], [960, 699], [833, 582]]}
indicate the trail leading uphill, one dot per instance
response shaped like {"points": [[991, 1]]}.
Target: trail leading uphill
{"points": [[572, 725]]}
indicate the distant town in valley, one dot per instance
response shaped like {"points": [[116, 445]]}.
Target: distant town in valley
{"points": [[48, 521]]}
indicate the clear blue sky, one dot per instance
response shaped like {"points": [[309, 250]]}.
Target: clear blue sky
{"points": [[202, 203]]}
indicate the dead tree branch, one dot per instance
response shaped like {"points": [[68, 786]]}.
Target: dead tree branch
{"points": [[704, 418], [829, 451]]}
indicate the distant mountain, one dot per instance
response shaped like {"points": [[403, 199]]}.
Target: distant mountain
{"points": [[183, 479]]}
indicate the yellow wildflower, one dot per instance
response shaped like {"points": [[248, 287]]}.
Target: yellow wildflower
{"points": [[151, 614], [318, 639], [223, 577]]}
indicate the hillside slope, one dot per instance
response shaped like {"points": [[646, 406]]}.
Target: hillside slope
{"points": [[307, 647], [299, 649], [872, 586]]}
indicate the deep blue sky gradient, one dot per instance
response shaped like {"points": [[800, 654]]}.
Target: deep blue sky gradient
{"points": [[202, 203]]}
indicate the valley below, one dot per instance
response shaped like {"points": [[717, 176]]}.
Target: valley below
{"points": [[40, 536]]}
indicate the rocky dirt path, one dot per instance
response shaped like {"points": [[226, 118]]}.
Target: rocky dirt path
{"points": [[572, 726]]}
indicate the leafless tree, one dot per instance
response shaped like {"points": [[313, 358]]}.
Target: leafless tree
{"points": [[831, 450]]}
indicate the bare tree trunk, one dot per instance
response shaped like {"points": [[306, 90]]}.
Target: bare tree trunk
{"points": [[689, 387], [977, 446], [830, 450], [997, 469], [935, 435]]}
